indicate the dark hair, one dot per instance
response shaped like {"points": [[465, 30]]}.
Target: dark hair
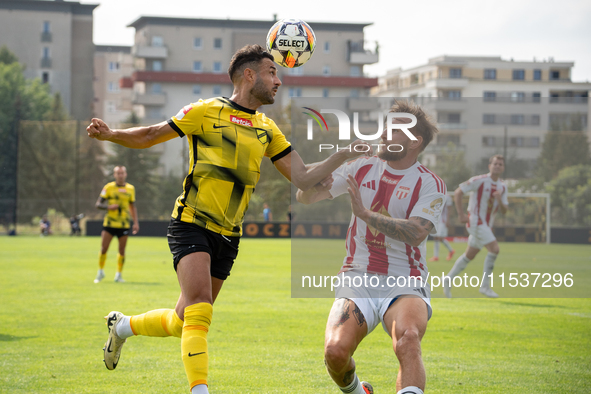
{"points": [[245, 57], [425, 126], [499, 157]]}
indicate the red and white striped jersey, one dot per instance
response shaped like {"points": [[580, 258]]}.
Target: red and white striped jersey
{"points": [[399, 194], [482, 205], [445, 211]]}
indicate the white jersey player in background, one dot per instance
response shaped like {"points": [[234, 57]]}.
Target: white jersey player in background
{"points": [[396, 203], [442, 233], [488, 193]]}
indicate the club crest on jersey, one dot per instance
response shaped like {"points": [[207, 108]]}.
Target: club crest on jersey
{"points": [[436, 204], [185, 110], [262, 135], [240, 121], [402, 192]]}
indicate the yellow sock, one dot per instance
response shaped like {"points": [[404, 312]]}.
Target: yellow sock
{"points": [[102, 260], [194, 342], [120, 261], [157, 323]]}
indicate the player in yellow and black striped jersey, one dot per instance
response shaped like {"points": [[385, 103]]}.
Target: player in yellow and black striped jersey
{"points": [[118, 199], [228, 139]]}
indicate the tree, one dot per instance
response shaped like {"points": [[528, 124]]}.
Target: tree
{"points": [[571, 196], [451, 167]]}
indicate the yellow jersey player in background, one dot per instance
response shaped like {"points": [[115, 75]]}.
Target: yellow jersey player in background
{"points": [[118, 198], [227, 140]]}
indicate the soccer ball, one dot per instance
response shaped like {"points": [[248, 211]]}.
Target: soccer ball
{"points": [[291, 42]]}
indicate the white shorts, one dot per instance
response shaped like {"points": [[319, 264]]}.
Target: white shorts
{"points": [[375, 299], [480, 236], [442, 231]]}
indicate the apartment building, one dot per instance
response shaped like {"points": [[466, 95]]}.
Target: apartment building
{"points": [[180, 60], [487, 105], [113, 67], [53, 39]]}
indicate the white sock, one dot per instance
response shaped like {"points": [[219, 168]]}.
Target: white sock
{"points": [[354, 388], [200, 389], [489, 265], [123, 328], [410, 390], [447, 245], [436, 249], [459, 266]]}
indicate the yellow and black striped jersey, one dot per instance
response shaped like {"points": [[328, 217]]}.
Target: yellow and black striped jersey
{"points": [[227, 143], [122, 195]]}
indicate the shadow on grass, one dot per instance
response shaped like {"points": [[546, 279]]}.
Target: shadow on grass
{"points": [[532, 305], [13, 338]]}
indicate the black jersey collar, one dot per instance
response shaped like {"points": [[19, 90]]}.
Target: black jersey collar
{"points": [[240, 107]]}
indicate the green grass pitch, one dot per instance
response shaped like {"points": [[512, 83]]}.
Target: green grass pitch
{"points": [[261, 340]]}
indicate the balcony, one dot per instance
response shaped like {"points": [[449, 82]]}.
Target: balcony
{"points": [[151, 99], [46, 36], [569, 100], [46, 62], [451, 126], [150, 52], [447, 83], [358, 55]]}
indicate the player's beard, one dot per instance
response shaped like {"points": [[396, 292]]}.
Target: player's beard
{"points": [[261, 93], [385, 154]]}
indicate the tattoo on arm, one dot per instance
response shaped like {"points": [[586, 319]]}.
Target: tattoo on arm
{"points": [[405, 230], [102, 204], [358, 316]]}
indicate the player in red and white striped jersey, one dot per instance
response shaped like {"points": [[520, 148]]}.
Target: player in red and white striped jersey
{"points": [[488, 194], [396, 203], [442, 233]]}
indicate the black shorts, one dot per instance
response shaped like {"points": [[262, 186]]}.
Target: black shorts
{"points": [[117, 232], [186, 238]]}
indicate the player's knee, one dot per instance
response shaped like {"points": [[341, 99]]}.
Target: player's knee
{"points": [[409, 342], [494, 249], [336, 356]]}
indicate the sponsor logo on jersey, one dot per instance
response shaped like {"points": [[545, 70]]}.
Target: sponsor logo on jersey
{"points": [[184, 111], [402, 192], [123, 190], [389, 181], [240, 121]]}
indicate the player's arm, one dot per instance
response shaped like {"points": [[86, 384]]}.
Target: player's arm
{"points": [[502, 206], [458, 195], [136, 222], [305, 177], [412, 231], [103, 203], [136, 137]]}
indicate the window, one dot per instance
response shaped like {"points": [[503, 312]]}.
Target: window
{"points": [[516, 141], [355, 71], [197, 43], [46, 27], [295, 92], [45, 52], [554, 75], [455, 73], [444, 139], [217, 43], [111, 106], [490, 96], [156, 88], [325, 92], [536, 97], [327, 47], [197, 67], [517, 119], [534, 142], [196, 89], [113, 87], [157, 65], [535, 120], [217, 67], [537, 75], [517, 97], [490, 73], [488, 141], [454, 94], [488, 118], [518, 75], [157, 41], [217, 90], [453, 118], [296, 70], [354, 93], [45, 77], [326, 70], [113, 67]]}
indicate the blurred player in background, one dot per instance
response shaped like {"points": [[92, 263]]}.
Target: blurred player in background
{"points": [[45, 226], [227, 139], [386, 241], [488, 194], [442, 233], [118, 199]]}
